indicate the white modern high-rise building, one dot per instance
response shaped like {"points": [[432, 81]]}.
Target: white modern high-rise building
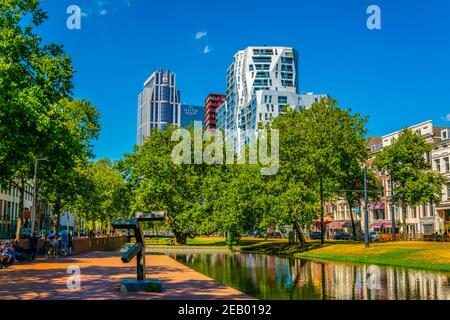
{"points": [[260, 82]]}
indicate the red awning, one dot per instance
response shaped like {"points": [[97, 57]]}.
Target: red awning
{"points": [[377, 206], [381, 224], [348, 224], [335, 225], [387, 224], [377, 224]]}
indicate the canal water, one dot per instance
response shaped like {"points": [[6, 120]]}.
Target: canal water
{"points": [[283, 278]]}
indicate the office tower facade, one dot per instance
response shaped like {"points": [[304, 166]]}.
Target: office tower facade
{"points": [[191, 114], [158, 104], [212, 102], [260, 82]]}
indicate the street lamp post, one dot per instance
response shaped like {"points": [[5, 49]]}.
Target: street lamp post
{"points": [[366, 208], [33, 212], [322, 223], [13, 214]]}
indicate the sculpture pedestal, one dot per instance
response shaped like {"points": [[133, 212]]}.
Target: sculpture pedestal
{"points": [[133, 285]]}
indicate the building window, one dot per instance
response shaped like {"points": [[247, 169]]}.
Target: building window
{"points": [[438, 165], [428, 157], [262, 75], [282, 100], [427, 228], [448, 191], [447, 164]]}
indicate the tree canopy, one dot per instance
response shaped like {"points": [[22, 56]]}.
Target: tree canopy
{"points": [[41, 126]]}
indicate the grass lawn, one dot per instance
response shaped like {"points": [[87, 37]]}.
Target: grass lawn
{"points": [[207, 242], [420, 255]]}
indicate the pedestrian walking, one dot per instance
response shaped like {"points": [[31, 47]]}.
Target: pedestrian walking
{"points": [[65, 242], [33, 246], [70, 244], [55, 247], [46, 246]]}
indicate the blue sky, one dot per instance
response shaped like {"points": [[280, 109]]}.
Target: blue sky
{"points": [[398, 76]]}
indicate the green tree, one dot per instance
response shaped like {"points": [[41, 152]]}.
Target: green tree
{"points": [[111, 188], [75, 125], [163, 185], [33, 77], [236, 195], [353, 186], [87, 199], [102, 195], [61, 191], [319, 147], [293, 188], [335, 142], [414, 182]]}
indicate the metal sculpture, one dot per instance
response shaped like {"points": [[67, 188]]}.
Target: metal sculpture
{"points": [[138, 251]]}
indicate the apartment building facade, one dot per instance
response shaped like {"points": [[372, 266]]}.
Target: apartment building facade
{"points": [[415, 220], [212, 103], [260, 82], [9, 209], [423, 219], [441, 163]]}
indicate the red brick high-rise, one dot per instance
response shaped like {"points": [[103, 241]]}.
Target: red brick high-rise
{"points": [[212, 102]]}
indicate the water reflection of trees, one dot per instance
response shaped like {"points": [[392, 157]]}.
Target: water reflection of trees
{"points": [[273, 277]]}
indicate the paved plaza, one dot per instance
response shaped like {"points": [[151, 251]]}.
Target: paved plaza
{"points": [[100, 277]]}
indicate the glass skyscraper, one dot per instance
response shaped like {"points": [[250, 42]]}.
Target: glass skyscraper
{"points": [[190, 113], [158, 104]]}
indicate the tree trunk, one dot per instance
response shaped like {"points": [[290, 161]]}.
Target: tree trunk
{"points": [[57, 211], [181, 238], [21, 188], [404, 215], [233, 238], [78, 226], [299, 233], [38, 218], [353, 223]]}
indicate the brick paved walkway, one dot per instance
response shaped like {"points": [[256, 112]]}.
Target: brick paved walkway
{"points": [[100, 274]]}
